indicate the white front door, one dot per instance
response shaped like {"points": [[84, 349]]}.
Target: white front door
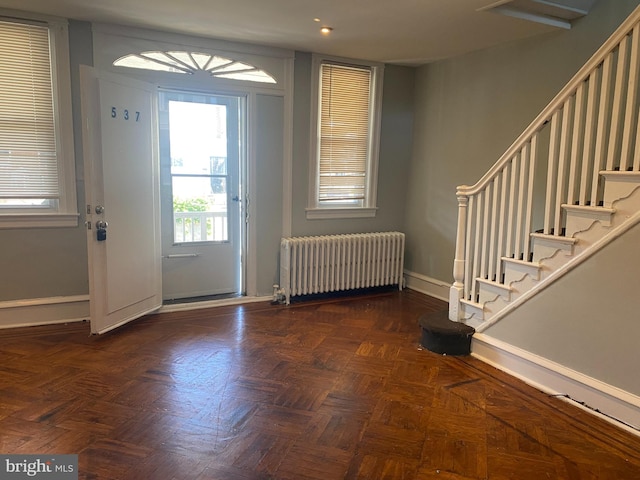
{"points": [[119, 126], [201, 194]]}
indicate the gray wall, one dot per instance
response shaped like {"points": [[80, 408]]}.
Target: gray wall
{"points": [[39, 263], [469, 109], [587, 320], [49, 262], [53, 262], [268, 198], [395, 153]]}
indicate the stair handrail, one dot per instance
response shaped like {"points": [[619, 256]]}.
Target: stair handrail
{"points": [[521, 155], [596, 59]]}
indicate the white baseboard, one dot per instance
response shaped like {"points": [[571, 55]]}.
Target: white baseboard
{"points": [[44, 311], [55, 310], [428, 286], [616, 406]]}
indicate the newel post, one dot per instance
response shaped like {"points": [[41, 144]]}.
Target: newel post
{"points": [[456, 290]]}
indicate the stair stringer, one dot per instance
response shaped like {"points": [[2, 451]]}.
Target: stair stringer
{"points": [[588, 243]]}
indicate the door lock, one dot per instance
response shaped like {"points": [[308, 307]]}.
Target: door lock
{"points": [[101, 230], [99, 209]]}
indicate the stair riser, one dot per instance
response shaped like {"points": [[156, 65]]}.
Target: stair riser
{"points": [[514, 272], [619, 185], [582, 221], [548, 247], [489, 293]]}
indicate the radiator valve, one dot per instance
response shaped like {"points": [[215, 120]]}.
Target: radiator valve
{"points": [[278, 295]]}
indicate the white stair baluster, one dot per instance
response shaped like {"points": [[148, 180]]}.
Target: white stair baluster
{"points": [[576, 143], [500, 247], [491, 267], [613, 150], [552, 165], [589, 135], [604, 112], [530, 152], [630, 116], [563, 159], [520, 209], [469, 255]]}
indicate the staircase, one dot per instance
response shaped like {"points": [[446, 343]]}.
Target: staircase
{"points": [[564, 189]]}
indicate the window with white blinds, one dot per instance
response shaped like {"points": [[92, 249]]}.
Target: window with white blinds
{"points": [[344, 158], [344, 133], [32, 172], [28, 167]]}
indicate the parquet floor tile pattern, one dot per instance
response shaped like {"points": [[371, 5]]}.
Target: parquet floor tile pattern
{"points": [[319, 390]]}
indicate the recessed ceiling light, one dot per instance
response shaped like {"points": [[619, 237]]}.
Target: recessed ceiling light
{"points": [[326, 30], [316, 19]]}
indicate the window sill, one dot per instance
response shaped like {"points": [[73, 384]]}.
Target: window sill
{"points": [[38, 220], [328, 213]]}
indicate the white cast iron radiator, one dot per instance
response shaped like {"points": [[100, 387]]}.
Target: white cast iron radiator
{"points": [[333, 263]]}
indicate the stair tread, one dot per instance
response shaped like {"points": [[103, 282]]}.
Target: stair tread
{"points": [[521, 262], [619, 174], [494, 284], [589, 208], [554, 238], [472, 303]]}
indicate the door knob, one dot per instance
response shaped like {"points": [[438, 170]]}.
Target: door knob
{"points": [[101, 225]]}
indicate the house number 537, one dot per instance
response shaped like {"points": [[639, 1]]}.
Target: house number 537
{"points": [[126, 114]]}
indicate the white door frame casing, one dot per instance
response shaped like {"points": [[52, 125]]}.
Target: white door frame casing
{"points": [[111, 42]]}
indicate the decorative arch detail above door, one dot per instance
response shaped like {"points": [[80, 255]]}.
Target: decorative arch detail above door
{"points": [[192, 62]]}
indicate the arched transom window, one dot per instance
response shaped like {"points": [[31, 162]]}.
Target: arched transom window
{"points": [[191, 63]]}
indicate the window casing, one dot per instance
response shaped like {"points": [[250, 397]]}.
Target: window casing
{"points": [[37, 165], [345, 138]]}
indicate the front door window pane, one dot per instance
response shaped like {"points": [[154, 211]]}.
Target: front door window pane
{"points": [[198, 149]]}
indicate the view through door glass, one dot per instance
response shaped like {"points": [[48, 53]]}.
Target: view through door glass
{"points": [[201, 191], [199, 174]]}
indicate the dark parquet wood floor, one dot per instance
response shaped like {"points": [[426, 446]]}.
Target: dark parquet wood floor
{"points": [[320, 390]]}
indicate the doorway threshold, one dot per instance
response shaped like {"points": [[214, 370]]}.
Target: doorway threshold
{"points": [[195, 303], [204, 298]]}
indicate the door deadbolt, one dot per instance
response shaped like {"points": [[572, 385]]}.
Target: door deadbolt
{"points": [[99, 209]]}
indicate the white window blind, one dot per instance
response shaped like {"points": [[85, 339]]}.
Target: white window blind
{"points": [[344, 133], [28, 159]]}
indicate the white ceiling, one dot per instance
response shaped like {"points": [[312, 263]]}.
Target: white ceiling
{"points": [[393, 31]]}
